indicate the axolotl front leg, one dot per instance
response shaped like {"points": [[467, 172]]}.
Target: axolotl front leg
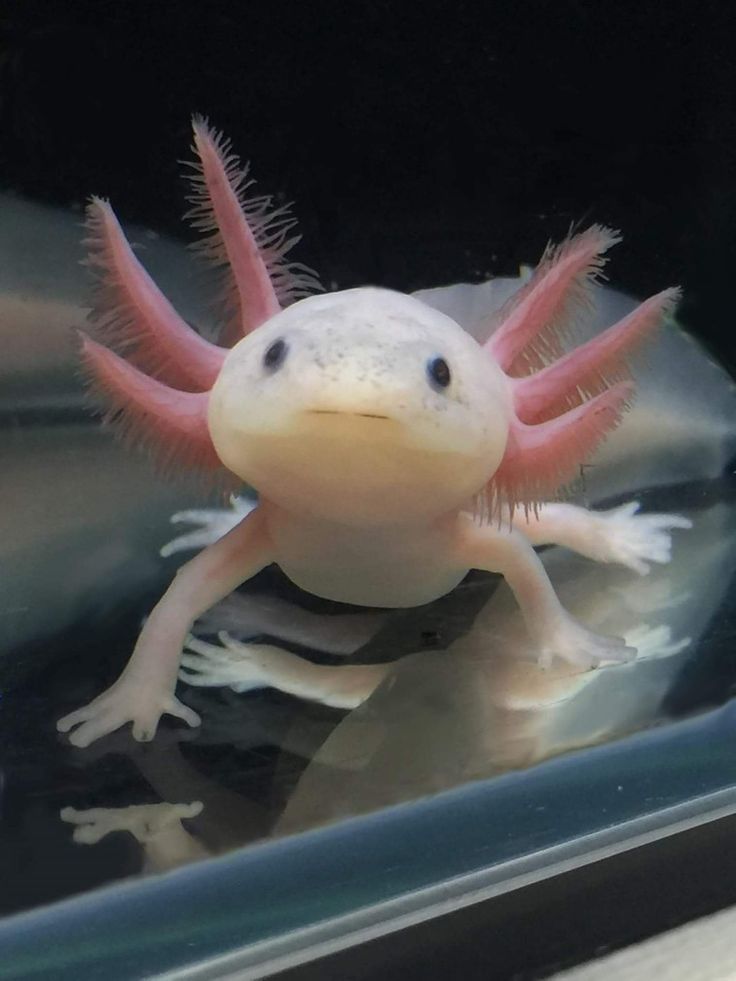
{"points": [[555, 633], [145, 690]]}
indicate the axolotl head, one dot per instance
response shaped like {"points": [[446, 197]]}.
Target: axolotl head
{"points": [[361, 406]]}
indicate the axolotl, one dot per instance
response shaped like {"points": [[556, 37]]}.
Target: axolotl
{"points": [[391, 452]]}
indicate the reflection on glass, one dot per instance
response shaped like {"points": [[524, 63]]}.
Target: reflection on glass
{"points": [[157, 828], [434, 718]]}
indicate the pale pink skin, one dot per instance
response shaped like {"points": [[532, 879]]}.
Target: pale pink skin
{"points": [[620, 536], [365, 471]]}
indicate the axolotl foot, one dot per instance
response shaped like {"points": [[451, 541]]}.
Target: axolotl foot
{"points": [[634, 540], [213, 524], [234, 665], [143, 821], [582, 648], [128, 700]]}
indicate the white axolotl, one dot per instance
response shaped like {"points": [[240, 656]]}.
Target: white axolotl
{"points": [[389, 449]]}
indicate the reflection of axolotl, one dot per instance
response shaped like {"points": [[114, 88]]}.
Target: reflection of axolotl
{"points": [[389, 448]]}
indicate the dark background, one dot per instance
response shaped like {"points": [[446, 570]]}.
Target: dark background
{"points": [[422, 142]]}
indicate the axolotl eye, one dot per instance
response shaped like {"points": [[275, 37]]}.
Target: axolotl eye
{"points": [[275, 355], [438, 372]]}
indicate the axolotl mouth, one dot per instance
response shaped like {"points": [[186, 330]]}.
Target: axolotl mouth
{"points": [[336, 412]]}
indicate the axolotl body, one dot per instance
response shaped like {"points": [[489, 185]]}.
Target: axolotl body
{"points": [[391, 451]]}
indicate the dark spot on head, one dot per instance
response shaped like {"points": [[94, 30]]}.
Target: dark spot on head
{"points": [[438, 372]]}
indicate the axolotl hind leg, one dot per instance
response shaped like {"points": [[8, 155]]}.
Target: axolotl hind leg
{"points": [[245, 667], [619, 536]]}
